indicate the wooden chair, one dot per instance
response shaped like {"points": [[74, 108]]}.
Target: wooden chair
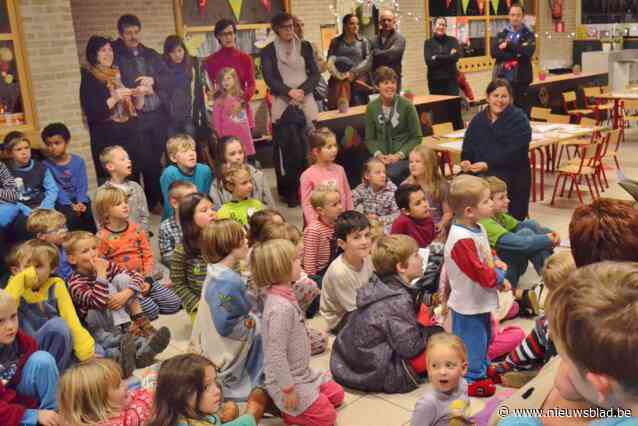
{"points": [[613, 148], [558, 118], [442, 128], [601, 109], [566, 144], [585, 167], [444, 156], [571, 106], [540, 114]]}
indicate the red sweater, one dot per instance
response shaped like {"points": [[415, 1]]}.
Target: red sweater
{"points": [[422, 230], [233, 58], [12, 405]]}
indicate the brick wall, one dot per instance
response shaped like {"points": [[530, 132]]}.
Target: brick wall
{"points": [[91, 17], [55, 73]]}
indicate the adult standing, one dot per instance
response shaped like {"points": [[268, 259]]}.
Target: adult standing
{"points": [[109, 106], [497, 143], [142, 68], [229, 56], [392, 126], [350, 53], [388, 47], [441, 54], [291, 73], [513, 49]]}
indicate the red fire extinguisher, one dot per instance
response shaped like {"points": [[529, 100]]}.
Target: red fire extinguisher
{"points": [[556, 7]]}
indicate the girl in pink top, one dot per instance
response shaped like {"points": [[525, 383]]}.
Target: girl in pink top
{"points": [[323, 152], [230, 114]]}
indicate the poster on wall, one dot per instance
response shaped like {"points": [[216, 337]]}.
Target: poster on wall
{"points": [[196, 13]]}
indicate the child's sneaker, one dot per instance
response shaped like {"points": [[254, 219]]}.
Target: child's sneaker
{"points": [[141, 327], [153, 346], [528, 303], [481, 388], [127, 355], [493, 374]]}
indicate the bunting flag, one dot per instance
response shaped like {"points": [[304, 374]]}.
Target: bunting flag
{"points": [[495, 5], [481, 5], [267, 4], [236, 6], [465, 4]]}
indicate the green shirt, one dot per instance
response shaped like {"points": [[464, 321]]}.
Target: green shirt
{"points": [[497, 226], [240, 211], [400, 133]]}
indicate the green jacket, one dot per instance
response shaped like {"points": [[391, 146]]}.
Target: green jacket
{"points": [[497, 226], [401, 134]]}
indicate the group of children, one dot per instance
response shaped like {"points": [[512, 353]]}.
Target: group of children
{"points": [[83, 291]]}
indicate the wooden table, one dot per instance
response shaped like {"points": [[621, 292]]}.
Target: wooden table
{"points": [[440, 108], [542, 137], [617, 97], [555, 85]]}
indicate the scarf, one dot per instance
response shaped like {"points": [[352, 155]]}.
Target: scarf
{"points": [[110, 76], [290, 57], [283, 291]]}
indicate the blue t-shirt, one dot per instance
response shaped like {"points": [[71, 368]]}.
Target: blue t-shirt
{"points": [[71, 179], [202, 177]]}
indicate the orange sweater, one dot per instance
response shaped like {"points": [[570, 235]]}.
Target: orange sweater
{"points": [[128, 248]]}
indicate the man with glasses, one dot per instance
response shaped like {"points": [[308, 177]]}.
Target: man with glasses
{"points": [[141, 68], [388, 46]]}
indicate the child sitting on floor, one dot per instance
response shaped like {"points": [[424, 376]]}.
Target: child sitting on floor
{"points": [[521, 364], [372, 353], [323, 170], [69, 172], [28, 377], [259, 220], [374, 197], [50, 225], [415, 219], [125, 243], [8, 197], [230, 152], [318, 235], [225, 327], [350, 271], [241, 207], [516, 243], [184, 166], [475, 277], [447, 403], [188, 393], [46, 309], [118, 165], [94, 393], [106, 297], [188, 267], [303, 395], [170, 233]]}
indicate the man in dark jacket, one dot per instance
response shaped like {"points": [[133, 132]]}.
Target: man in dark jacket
{"points": [[142, 68], [381, 348], [441, 53], [388, 47]]}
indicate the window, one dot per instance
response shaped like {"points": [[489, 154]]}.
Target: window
{"points": [[608, 12], [16, 110], [473, 23]]}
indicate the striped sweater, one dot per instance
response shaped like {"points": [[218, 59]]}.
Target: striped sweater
{"points": [[187, 275], [532, 352], [317, 239], [89, 292], [8, 189]]}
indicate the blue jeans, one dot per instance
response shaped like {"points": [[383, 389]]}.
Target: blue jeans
{"points": [[475, 331], [55, 338], [398, 172], [39, 381]]}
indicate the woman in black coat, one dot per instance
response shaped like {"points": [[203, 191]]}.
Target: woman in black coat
{"points": [[110, 108], [441, 54], [497, 143]]}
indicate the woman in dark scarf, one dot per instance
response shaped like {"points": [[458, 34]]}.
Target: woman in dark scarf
{"points": [[178, 98], [110, 108], [497, 143]]}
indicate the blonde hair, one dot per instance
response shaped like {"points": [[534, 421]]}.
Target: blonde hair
{"points": [[42, 221], [230, 172], [105, 198], [318, 196], [451, 341], [7, 301], [557, 269], [220, 238], [496, 185], [466, 191], [106, 156], [434, 179], [83, 391], [317, 140], [593, 317], [368, 166], [179, 143], [271, 262], [286, 231], [376, 230], [74, 238], [392, 250], [37, 252], [236, 91]]}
